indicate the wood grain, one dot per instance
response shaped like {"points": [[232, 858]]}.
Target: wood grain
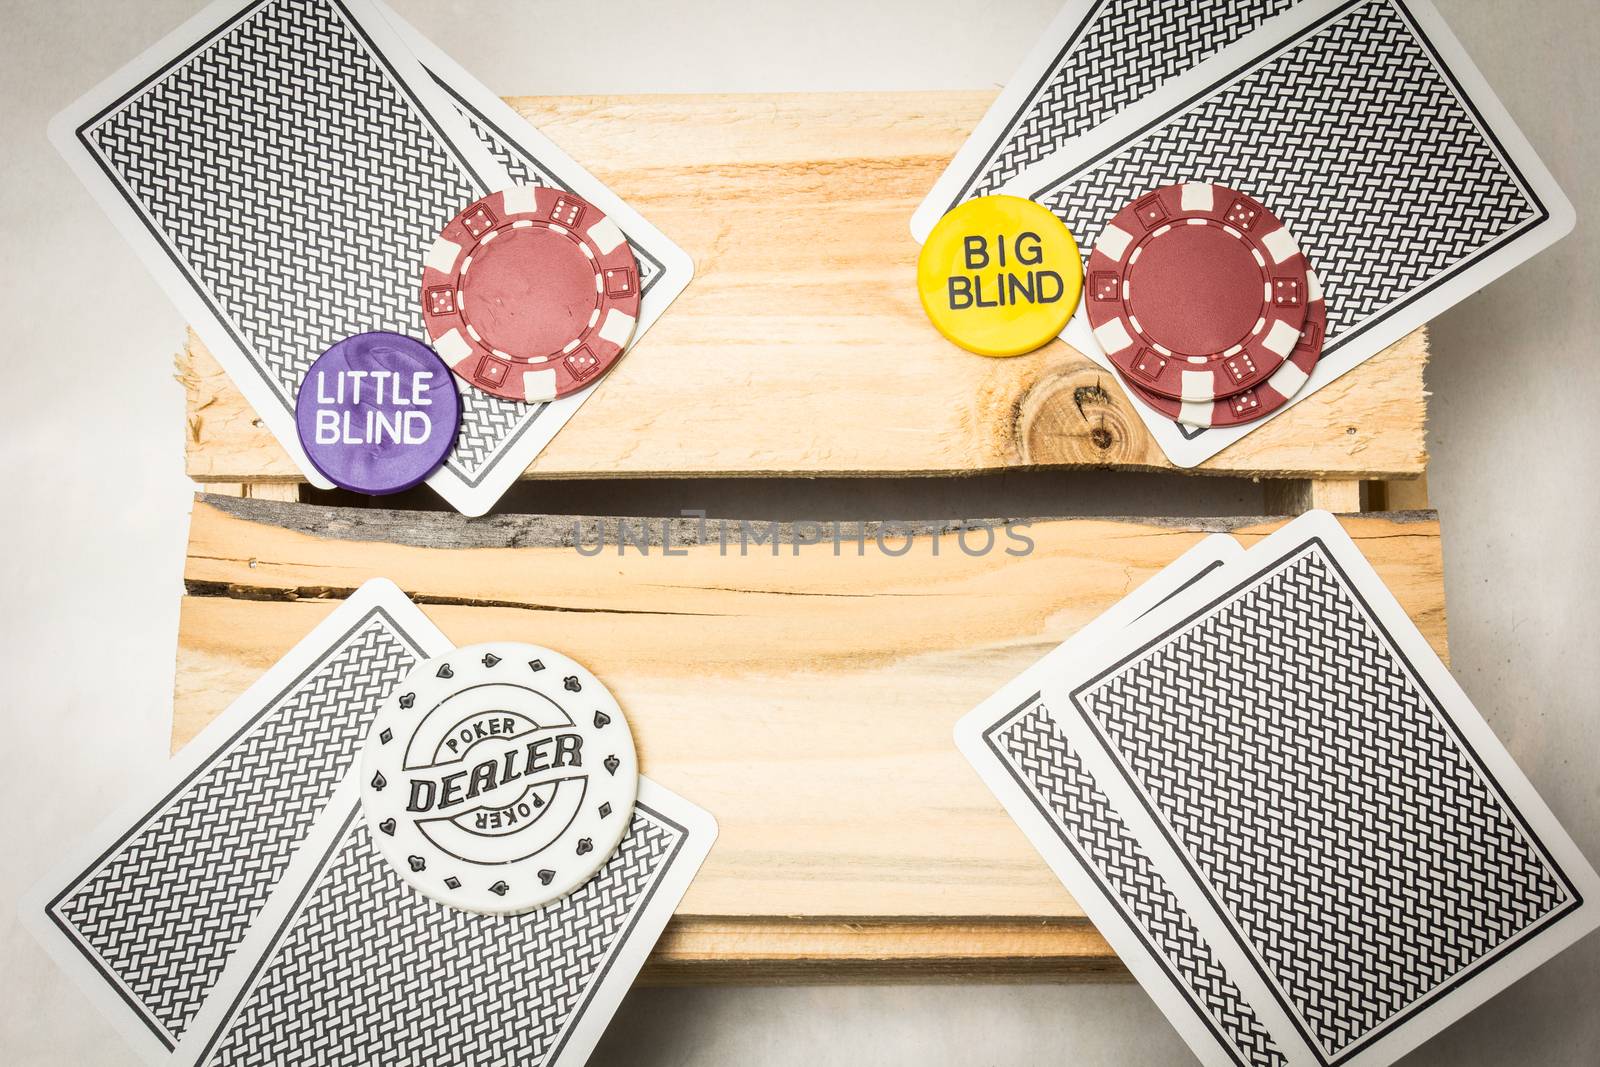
{"points": [[806, 699], [800, 347]]}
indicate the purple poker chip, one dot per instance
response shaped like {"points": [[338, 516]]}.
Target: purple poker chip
{"points": [[377, 412]]}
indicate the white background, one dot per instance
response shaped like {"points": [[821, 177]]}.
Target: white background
{"points": [[96, 501]]}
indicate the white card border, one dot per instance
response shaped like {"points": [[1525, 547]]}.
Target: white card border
{"points": [[92, 850], [619, 971], [481, 169], [677, 268], [1462, 995], [1098, 904]]}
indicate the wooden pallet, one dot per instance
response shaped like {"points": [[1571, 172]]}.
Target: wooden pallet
{"points": [[805, 699]]}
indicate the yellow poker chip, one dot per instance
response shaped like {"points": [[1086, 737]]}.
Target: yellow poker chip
{"points": [[999, 275]]}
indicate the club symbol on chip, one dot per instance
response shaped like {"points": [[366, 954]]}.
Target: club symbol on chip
{"points": [[498, 776]]}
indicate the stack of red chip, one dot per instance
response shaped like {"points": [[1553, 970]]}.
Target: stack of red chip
{"points": [[531, 293], [1205, 304]]}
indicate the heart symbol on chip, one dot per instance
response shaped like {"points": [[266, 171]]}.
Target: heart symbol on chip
{"points": [[387, 826], [546, 876], [601, 719], [446, 671], [417, 863]]}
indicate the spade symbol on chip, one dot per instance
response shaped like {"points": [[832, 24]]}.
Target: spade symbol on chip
{"points": [[387, 826], [500, 889], [490, 659], [379, 781], [601, 719], [612, 763], [417, 862], [572, 684]]}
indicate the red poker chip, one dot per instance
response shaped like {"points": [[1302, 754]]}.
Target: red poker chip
{"points": [[1261, 400], [1196, 291], [530, 293]]}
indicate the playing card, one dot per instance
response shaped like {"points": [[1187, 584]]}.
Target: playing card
{"points": [[1096, 58], [490, 452], [1024, 757], [1364, 127], [281, 166], [146, 913], [1328, 809], [356, 967]]}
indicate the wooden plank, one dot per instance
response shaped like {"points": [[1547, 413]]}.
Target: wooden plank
{"points": [[805, 698], [1294, 496], [1411, 495], [698, 950], [800, 347]]}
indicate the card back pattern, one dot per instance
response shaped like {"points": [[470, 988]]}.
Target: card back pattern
{"points": [[1338, 820], [162, 910], [368, 970], [1040, 758], [1359, 139], [1119, 53]]}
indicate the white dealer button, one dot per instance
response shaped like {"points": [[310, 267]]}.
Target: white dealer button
{"points": [[499, 777]]}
